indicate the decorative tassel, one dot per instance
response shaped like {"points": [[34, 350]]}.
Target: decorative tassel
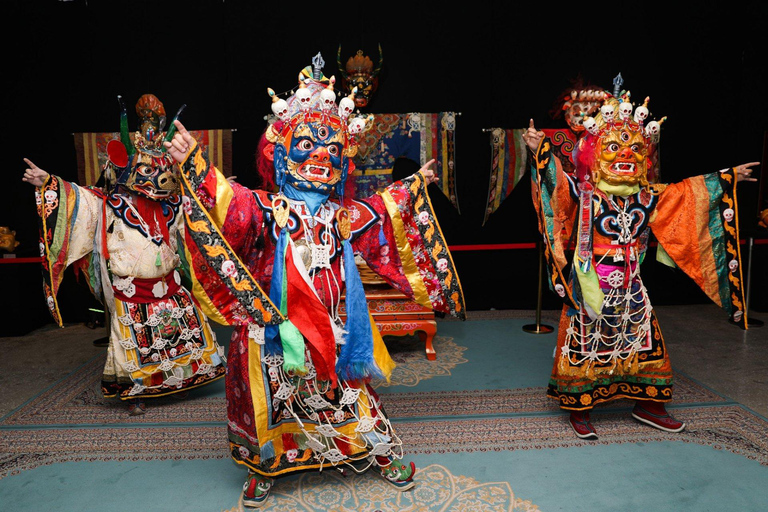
{"points": [[267, 451], [272, 343], [292, 340], [310, 316], [356, 361]]}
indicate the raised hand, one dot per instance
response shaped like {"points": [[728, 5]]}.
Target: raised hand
{"points": [[744, 171], [181, 143], [428, 173], [34, 175], [532, 137]]}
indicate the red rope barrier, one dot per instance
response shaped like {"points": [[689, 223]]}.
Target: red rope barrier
{"points": [[21, 260]]}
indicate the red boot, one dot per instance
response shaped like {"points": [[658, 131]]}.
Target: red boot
{"points": [[579, 420], [656, 415]]}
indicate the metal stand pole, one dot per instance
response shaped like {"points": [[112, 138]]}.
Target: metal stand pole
{"points": [[538, 328], [751, 322]]}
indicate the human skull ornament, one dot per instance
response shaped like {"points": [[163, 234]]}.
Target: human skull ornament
{"points": [[733, 265], [356, 125], [591, 125], [281, 110], [38, 198], [641, 114], [304, 97], [327, 99], [625, 110], [273, 373], [608, 112], [653, 131], [51, 303], [347, 104], [560, 290], [442, 264], [728, 214], [186, 205], [291, 455], [243, 451], [423, 218], [228, 268], [50, 197]]}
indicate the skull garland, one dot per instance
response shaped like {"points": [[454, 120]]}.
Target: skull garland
{"points": [[579, 105], [617, 149], [143, 165]]}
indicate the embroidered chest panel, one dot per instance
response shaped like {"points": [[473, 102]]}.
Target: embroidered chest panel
{"points": [[320, 229], [169, 209], [622, 220]]}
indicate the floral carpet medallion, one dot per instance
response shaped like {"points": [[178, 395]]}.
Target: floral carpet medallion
{"points": [[413, 366], [436, 489]]}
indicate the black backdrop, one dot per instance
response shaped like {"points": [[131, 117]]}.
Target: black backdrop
{"points": [[497, 63]]}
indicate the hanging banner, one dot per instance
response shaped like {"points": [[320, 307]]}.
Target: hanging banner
{"points": [[417, 136], [91, 148], [509, 161]]}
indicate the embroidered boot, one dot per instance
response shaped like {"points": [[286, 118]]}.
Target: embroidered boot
{"points": [[655, 414], [256, 489], [396, 473], [580, 423]]}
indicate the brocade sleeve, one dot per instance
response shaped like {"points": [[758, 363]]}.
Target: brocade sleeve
{"points": [[696, 223], [408, 249]]}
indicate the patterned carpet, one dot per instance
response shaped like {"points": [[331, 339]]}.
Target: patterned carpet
{"points": [[72, 422]]}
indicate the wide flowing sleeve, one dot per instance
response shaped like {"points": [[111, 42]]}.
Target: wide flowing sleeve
{"points": [[696, 224], [556, 201], [407, 247], [222, 223], [69, 220]]}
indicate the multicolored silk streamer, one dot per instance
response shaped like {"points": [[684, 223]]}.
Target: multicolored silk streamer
{"points": [[356, 361]]}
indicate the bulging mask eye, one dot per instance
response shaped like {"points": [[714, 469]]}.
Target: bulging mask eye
{"points": [[145, 170]]}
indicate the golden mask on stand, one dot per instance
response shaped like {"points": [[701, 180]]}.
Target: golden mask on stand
{"points": [[8, 239]]}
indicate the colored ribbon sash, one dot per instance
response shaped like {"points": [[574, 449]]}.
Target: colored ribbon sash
{"points": [[626, 249], [145, 291]]}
